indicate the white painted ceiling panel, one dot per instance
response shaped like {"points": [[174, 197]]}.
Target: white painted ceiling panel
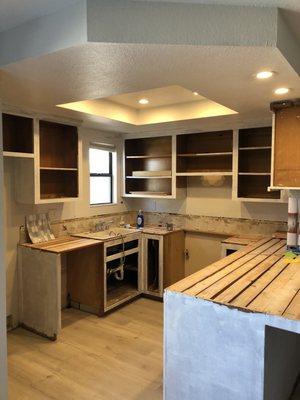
{"points": [[17, 12]]}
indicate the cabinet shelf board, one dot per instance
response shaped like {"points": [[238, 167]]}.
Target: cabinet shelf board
{"points": [[148, 177], [58, 169], [57, 200], [150, 156], [256, 148], [255, 173], [16, 154], [148, 195], [260, 200], [224, 153], [211, 173]]}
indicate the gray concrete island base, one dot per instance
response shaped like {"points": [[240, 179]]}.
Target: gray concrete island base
{"points": [[213, 352]]}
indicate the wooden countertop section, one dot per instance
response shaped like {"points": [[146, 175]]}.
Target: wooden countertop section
{"points": [[258, 278], [63, 244]]}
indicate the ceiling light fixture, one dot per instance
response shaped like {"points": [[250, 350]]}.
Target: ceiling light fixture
{"points": [[264, 74], [282, 90], [195, 93], [143, 101]]}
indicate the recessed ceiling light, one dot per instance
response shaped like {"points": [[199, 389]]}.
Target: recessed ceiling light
{"points": [[195, 93], [281, 90], [143, 101], [264, 74]]}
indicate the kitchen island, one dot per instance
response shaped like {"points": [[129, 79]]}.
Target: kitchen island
{"points": [[232, 329]]}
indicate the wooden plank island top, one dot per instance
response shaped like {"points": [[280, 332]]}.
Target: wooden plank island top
{"points": [[258, 278], [63, 244]]}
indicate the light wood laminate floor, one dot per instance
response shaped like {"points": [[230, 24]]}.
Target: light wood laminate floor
{"points": [[111, 358]]}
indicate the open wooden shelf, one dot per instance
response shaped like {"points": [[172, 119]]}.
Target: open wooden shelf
{"points": [[148, 155], [58, 161], [254, 164], [255, 137], [203, 153], [58, 145], [17, 135], [55, 184], [255, 187]]}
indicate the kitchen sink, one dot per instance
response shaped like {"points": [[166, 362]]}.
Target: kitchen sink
{"points": [[107, 234]]}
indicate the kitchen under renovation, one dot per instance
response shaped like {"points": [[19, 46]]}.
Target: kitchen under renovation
{"points": [[150, 212]]}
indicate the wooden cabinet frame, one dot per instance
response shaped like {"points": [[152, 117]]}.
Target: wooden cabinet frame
{"points": [[136, 250], [145, 241], [27, 171], [235, 179], [171, 260]]}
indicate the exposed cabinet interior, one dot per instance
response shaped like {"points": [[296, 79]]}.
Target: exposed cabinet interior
{"points": [[148, 167], [17, 135], [119, 289], [85, 278], [152, 267], [58, 145], [204, 153], [55, 184], [254, 164], [164, 261], [286, 166]]}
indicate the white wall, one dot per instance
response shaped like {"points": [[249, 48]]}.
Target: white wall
{"points": [[15, 213], [3, 351]]}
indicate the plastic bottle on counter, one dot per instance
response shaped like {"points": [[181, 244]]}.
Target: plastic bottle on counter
{"points": [[140, 220]]}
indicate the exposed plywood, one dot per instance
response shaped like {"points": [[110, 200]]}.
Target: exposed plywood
{"points": [[286, 148], [85, 280], [173, 263], [63, 244]]}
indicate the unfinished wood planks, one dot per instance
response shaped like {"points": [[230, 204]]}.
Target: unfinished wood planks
{"points": [[258, 278], [63, 244]]}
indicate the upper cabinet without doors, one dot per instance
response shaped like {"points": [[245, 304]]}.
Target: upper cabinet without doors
{"points": [[159, 166], [46, 158], [149, 167], [286, 145]]}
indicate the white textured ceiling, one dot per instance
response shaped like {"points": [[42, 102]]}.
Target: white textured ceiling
{"points": [[17, 12], [288, 4], [222, 74], [291, 8]]}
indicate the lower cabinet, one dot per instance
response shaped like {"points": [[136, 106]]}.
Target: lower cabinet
{"points": [[163, 261], [102, 278], [122, 270]]}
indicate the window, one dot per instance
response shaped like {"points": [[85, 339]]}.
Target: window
{"points": [[101, 175]]}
